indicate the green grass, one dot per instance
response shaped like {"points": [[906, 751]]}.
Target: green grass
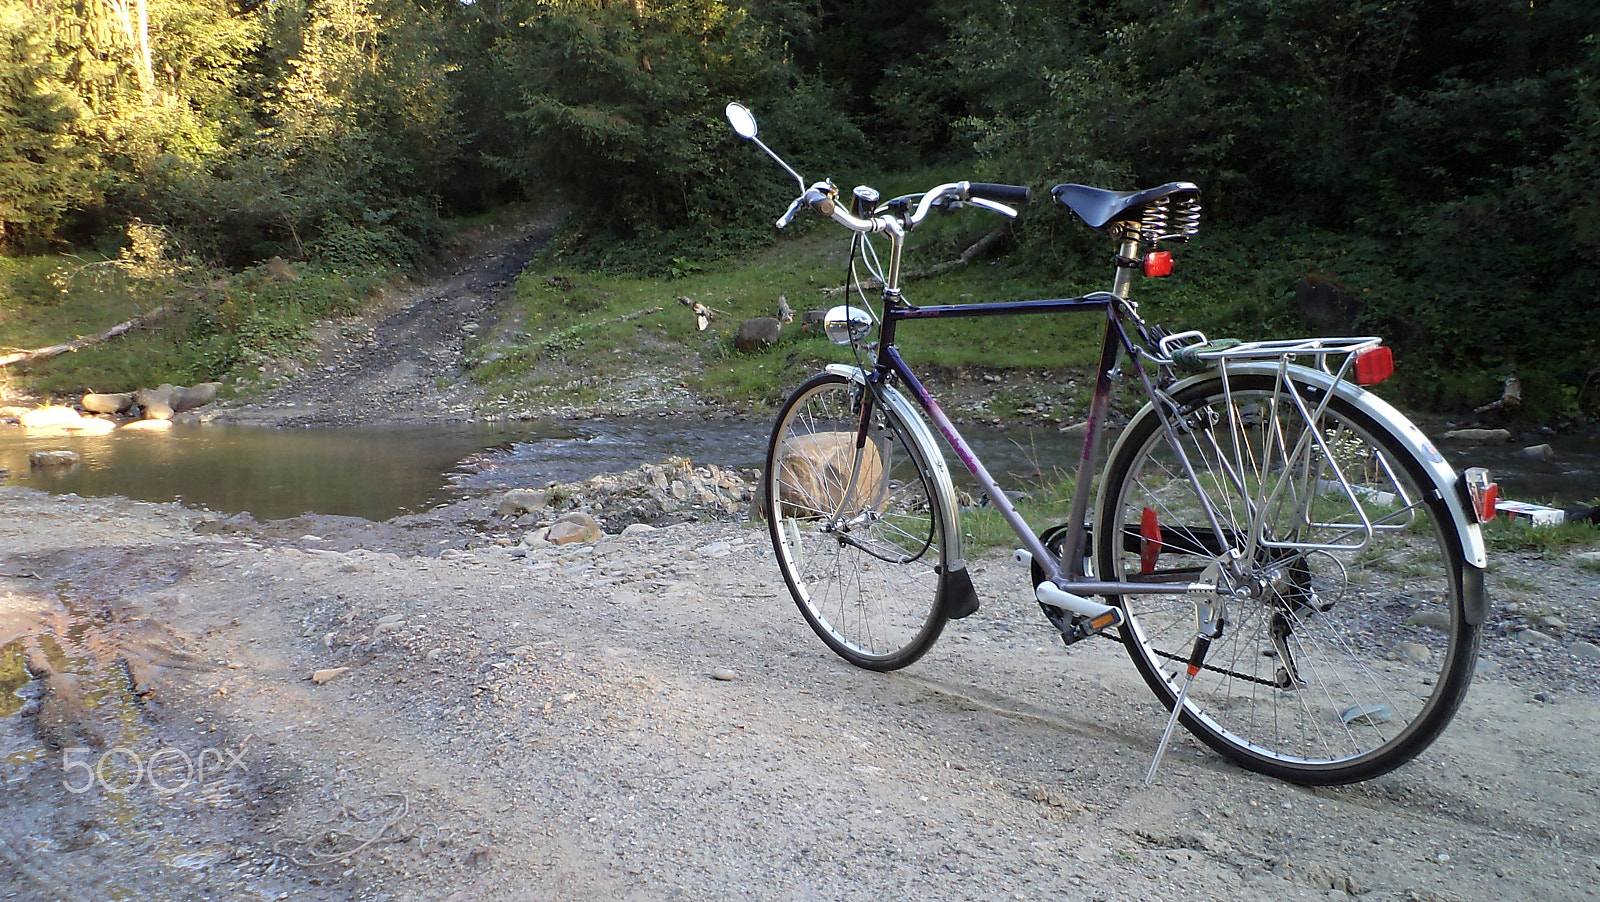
{"points": [[1504, 534], [572, 322], [217, 323], [1043, 504]]}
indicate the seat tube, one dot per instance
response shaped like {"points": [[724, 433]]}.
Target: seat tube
{"points": [[1099, 403]]}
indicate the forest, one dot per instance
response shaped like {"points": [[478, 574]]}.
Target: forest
{"points": [[1436, 161]]}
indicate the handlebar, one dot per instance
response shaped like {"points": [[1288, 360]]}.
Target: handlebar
{"points": [[823, 197], [1006, 194]]}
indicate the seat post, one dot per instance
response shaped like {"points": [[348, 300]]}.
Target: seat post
{"points": [[1127, 262]]}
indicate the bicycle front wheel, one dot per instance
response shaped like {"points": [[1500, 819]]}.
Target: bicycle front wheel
{"points": [[857, 525], [1345, 649]]}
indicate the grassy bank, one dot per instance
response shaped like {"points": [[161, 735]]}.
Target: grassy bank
{"points": [[567, 322], [202, 323]]}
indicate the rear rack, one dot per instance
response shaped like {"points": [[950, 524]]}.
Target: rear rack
{"points": [[1192, 350]]}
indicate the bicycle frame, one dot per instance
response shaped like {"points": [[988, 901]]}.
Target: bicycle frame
{"points": [[1115, 342]]}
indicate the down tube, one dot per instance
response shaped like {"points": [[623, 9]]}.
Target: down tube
{"points": [[973, 464]]}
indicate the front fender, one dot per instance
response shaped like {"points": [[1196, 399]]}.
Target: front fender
{"points": [[926, 447]]}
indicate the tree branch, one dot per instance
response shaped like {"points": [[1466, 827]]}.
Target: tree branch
{"points": [[85, 341]]}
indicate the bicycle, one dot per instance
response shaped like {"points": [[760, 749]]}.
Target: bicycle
{"points": [[1293, 567]]}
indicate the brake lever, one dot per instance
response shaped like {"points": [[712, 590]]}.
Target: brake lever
{"points": [[995, 206], [788, 215]]}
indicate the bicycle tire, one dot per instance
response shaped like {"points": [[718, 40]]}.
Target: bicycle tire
{"points": [[869, 586], [1355, 650]]}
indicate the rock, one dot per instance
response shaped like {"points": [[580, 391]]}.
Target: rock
{"points": [[331, 673], [1549, 622], [816, 468], [758, 333], [1433, 620], [724, 674], [523, 501], [92, 426], [575, 527], [812, 320], [98, 403], [1480, 436], [1585, 650], [156, 402], [1538, 452], [51, 416], [715, 549], [280, 271], [637, 529], [43, 459], [1414, 652], [148, 425], [1534, 637], [195, 396], [1588, 557]]}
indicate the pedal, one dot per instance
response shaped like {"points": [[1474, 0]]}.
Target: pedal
{"points": [[1076, 618], [1076, 628]]}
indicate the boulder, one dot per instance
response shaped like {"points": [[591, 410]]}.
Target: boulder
{"points": [[148, 425], [1480, 436], [50, 416], [156, 402], [195, 396], [99, 403], [53, 458], [758, 333], [523, 501], [815, 471], [1538, 452], [574, 527]]}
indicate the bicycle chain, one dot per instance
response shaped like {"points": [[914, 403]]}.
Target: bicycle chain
{"points": [[1183, 659]]}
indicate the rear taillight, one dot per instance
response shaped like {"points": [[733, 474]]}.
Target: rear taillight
{"points": [[1482, 493], [1158, 263], [1374, 365]]}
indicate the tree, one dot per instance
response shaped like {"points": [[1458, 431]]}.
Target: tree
{"points": [[46, 172]]}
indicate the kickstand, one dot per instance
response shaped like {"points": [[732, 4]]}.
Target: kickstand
{"points": [[1196, 658]]}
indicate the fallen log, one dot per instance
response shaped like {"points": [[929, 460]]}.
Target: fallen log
{"points": [[978, 248], [80, 343]]}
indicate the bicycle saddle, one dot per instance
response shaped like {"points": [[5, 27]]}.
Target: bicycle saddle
{"points": [[1097, 206]]}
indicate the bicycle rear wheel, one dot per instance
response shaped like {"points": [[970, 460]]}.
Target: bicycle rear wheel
{"points": [[857, 530], [1345, 648]]}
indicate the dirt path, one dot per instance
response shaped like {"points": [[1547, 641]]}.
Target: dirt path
{"points": [[549, 726], [195, 707], [402, 363]]}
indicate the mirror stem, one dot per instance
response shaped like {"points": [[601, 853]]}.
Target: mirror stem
{"points": [[797, 178]]}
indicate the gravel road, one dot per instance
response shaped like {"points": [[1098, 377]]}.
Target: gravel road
{"points": [[204, 707]]}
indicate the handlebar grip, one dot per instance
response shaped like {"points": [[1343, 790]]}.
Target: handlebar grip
{"points": [[1009, 194]]}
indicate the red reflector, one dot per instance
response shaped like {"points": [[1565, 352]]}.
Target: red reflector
{"points": [[1484, 493], [1158, 263], [1374, 366], [1149, 541]]}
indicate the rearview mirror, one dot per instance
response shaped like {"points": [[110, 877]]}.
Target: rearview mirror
{"points": [[742, 120]]}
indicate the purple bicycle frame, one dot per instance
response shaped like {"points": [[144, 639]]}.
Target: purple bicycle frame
{"points": [[1114, 343]]}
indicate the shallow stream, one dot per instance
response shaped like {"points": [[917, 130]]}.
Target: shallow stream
{"points": [[378, 473]]}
